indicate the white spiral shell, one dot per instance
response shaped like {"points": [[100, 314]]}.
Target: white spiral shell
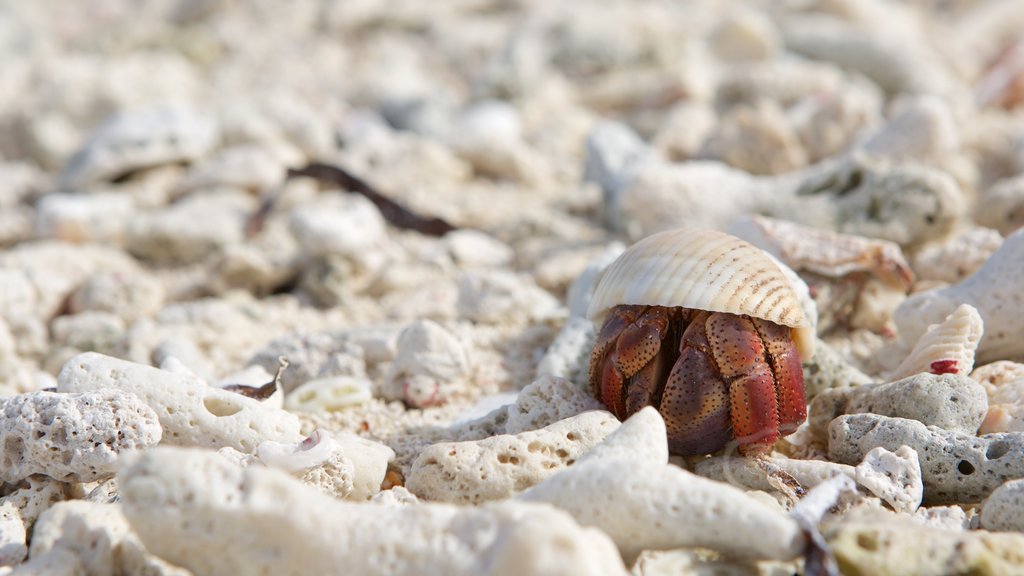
{"points": [[703, 270]]}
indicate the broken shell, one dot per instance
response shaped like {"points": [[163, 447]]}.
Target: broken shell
{"points": [[946, 348], [703, 270]]}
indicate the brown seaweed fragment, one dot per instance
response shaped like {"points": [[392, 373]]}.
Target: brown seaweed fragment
{"points": [[396, 214]]}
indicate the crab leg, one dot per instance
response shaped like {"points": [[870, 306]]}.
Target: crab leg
{"points": [[740, 356], [789, 376], [695, 401]]}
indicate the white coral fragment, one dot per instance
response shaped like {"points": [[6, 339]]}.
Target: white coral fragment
{"points": [[430, 365], [190, 412], [197, 510], [627, 488], [497, 467], [946, 348], [893, 476], [72, 437]]}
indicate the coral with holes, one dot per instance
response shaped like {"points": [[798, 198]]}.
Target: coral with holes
{"points": [[955, 467], [190, 412], [547, 400], [895, 548], [197, 510], [893, 477], [949, 401], [72, 437], [499, 466]]}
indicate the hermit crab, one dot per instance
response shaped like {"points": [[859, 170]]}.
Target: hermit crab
{"points": [[709, 330]]}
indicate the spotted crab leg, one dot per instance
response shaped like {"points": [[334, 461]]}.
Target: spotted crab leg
{"points": [[740, 356], [695, 401], [789, 379]]}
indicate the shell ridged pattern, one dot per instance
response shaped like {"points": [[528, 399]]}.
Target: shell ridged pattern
{"points": [[954, 340], [702, 270]]}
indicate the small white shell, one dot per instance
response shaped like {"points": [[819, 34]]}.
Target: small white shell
{"points": [[703, 270], [956, 338]]}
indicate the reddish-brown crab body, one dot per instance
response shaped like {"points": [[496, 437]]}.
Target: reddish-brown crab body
{"points": [[713, 376]]}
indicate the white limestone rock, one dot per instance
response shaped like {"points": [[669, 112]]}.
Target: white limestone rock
{"points": [[949, 401], [199, 511], [192, 229], [641, 437], [190, 412], [99, 537], [13, 542], [990, 290], [72, 437], [50, 271], [495, 468], [614, 152], [547, 400], [955, 467], [140, 139], [430, 366], [488, 135], [1003, 510], [93, 330]]}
